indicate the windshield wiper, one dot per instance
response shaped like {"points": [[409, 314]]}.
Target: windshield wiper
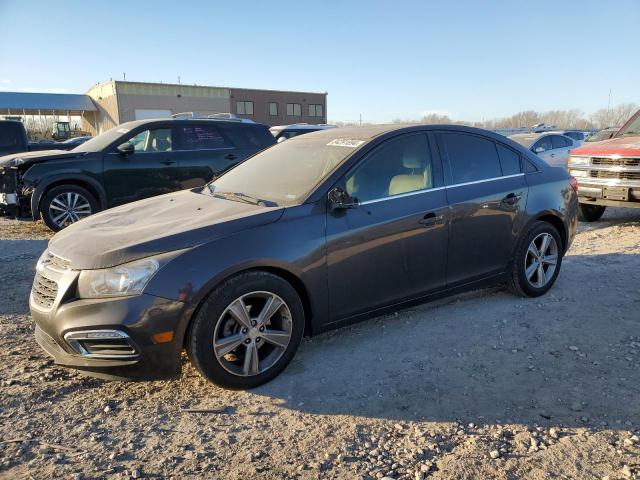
{"points": [[242, 197]]}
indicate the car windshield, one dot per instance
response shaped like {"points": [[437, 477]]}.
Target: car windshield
{"points": [[283, 174], [632, 129], [99, 143]]}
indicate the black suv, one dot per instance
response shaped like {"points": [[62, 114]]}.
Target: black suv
{"points": [[133, 161]]}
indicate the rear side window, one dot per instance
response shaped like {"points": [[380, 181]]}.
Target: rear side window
{"points": [[253, 137], [509, 160], [471, 157], [201, 137], [10, 135], [560, 142], [528, 167]]}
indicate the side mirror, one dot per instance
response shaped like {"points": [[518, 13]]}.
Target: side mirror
{"points": [[126, 148], [338, 199], [539, 150], [281, 139]]}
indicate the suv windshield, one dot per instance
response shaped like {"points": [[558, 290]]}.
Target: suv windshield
{"points": [[632, 129], [283, 174], [99, 143]]}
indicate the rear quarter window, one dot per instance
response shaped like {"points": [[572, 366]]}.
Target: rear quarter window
{"points": [[254, 137], [509, 160]]}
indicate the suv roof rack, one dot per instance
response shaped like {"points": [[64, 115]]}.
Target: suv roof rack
{"points": [[228, 117]]}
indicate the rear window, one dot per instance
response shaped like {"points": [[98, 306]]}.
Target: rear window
{"points": [[255, 137], [201, 137], [471, 157], [10, 135]]}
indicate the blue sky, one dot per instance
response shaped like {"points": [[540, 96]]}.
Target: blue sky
{"points": [[383, 59]]}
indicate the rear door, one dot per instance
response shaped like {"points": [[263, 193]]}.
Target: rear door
{"points": [[393, 245], [151, 170], [561, 149], [247, 138], [487, 195], [203, 152]]}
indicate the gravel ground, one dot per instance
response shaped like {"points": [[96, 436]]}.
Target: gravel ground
{"points": [[484, 385]]}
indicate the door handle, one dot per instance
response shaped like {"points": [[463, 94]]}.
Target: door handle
{"points": [[552, 155], [231, 156], [512, 199], [168, 162], [430, 219]]}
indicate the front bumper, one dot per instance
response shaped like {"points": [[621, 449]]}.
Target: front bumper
{"points": [[594, 194], [137, 317]]}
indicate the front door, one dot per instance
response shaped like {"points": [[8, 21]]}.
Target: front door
{"points": [[393, 245], [151, 170], [487, 193]]}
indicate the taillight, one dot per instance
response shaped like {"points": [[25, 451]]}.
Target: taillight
{"points": [[574, 183]]}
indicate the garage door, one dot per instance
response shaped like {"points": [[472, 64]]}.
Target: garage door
{"points": [[143, 113]]}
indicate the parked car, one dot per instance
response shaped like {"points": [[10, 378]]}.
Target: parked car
{"points": [[608, 171], [13, 137], [553, 148], [604, 134], [313, 233], [135, 160], [577, 136], [72, 143], [284, 132]]}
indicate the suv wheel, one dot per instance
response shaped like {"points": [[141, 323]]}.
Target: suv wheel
{"points": [[537, 261], [590, 213], [247, 330], [66, 204]]}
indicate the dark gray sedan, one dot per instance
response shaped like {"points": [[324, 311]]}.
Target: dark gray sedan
{"points": [[317, 232]]}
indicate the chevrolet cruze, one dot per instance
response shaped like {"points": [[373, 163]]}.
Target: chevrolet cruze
{"points": [[316, 232]]}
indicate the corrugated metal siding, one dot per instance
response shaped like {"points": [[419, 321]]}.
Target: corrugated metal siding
{"points": [[46, 101]]}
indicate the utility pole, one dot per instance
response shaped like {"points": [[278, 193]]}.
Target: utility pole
{"points": [[360, 119], [124, 76], [609, 110], [178, 79]]}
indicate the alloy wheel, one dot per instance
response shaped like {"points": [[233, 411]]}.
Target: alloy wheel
{"points": [[541, 260], [68, 207], [252, 333]]}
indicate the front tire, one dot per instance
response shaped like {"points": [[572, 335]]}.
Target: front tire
{"points": [[247, 330], [590, 213], [537, 261], [66, 204]]}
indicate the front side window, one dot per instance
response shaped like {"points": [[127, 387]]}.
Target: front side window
{"points": [[315, 110], [244, 108], [153, 140], [398, 166], [471, 158], [201, 137], [273, 109], [294, 110], [542, 145]]}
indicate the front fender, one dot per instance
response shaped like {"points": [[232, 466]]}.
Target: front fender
{"points": [[75, 178]]}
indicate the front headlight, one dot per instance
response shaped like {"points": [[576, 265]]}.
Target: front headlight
{"points": [[127, 279], [579, 160], [578, 173]]}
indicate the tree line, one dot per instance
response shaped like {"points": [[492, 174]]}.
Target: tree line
{"points": [[574, 118]]}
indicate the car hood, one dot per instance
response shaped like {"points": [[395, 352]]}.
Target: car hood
{"points": [[614, 146], [27, 158], [156, 225]]}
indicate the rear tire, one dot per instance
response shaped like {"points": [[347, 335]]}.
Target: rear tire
{"points": [[66, 204], [247, 352], [537, 261], [590, 213]]}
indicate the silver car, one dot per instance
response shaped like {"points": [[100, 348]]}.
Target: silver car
{"points": [[553, 148]]}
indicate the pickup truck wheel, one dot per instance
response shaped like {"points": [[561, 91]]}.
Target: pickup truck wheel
{"points": [[246, 331], [590, 213], [66, 204], [537, 261]]}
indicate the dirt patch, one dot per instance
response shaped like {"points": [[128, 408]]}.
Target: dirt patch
{"points": [[484, 385]]}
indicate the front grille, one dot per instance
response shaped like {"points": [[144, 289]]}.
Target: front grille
{"points": [[621, 162], [615, 175], [44, 291], [56, 263]]}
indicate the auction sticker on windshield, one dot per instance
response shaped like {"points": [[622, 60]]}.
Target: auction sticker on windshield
{"points": [[345, 142]]}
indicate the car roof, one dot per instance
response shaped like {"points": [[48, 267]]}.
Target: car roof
{"points": [[136, 123]]}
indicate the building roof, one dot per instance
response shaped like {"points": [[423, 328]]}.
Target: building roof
{"points": [[59, 102]]}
